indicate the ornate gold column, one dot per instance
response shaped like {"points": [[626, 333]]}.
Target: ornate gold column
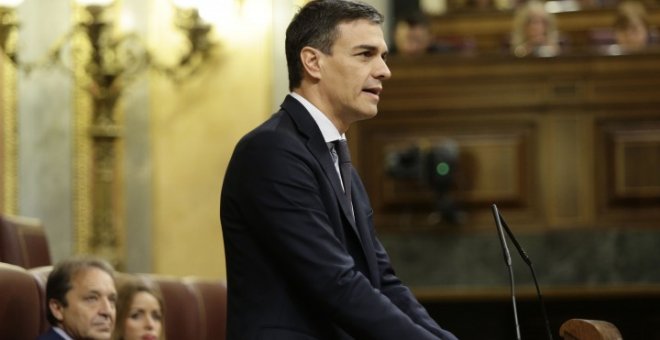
{"points": [[97, 197], [8, 126]]}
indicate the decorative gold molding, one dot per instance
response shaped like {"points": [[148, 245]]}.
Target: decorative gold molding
{"points": [[99, 219], [9, 201], [82, 146]]}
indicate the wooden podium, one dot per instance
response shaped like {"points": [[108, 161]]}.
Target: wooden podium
{"points": [[581, 329]]}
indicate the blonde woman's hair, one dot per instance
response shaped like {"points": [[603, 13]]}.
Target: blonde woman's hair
{"points": [[521, 20], [629, 12]]}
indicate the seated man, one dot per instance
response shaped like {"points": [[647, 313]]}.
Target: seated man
{"points": [[80, 300]]}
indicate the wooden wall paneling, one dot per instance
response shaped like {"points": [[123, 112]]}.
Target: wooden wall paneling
{"points": [[629, 171], [496, 165], [567, 168], [636, 172], [545, 137], [625, 89]]}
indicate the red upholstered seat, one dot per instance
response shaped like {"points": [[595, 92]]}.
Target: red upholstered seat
{"points": [[20, 304], [40, 275], [182, 313], [23, 242], [212, 300]]}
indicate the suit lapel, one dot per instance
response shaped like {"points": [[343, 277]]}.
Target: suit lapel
{"points": [[362, 222], [316, 144], [356, 215]]}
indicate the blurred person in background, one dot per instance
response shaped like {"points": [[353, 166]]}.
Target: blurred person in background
{"points": [[412, 36], [534, 31], [632, 30]]}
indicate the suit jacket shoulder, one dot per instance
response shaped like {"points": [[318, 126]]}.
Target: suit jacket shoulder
{"points": [[51, 334]]}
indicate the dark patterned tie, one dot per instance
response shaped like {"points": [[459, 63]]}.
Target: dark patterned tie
{"points": [[344, 156]]}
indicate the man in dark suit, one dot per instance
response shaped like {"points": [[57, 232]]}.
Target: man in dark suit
{"points": [[303, 260], [80, 300]]}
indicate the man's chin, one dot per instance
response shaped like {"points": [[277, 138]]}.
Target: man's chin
{"points": [[101, 334], [363, 112], [371, 113]]}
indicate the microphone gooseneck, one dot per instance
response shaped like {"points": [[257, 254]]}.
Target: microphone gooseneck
{"points": [[509, 265], [528, 261], [501, 227]]}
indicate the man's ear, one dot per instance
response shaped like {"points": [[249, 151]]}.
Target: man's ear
{"points": [[311, 61], [56, 308]]}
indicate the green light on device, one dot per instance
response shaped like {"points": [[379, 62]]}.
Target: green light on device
{"points": [[442, 169]]}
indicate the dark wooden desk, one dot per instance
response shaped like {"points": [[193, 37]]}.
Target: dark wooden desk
{"points": [[486, 313]]}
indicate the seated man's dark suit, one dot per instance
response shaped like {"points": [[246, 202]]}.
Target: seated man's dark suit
{"points": [[298, 266], [51, 334]]}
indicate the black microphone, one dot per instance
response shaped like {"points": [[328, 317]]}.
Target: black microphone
{"points": [[501, 225], [507, 260]]}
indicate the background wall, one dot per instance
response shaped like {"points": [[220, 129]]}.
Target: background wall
{"points": [[45, 126], [195, 126]]}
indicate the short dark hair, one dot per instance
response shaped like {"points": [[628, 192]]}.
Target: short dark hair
{"points": [[315, 25], [416, 19], [59, 279]]}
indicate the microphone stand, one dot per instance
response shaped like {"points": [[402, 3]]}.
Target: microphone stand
{"points": [[507, 260]]}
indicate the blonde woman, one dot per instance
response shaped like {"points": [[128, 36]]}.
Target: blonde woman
{"points": [[631, 27], [534, 31]]}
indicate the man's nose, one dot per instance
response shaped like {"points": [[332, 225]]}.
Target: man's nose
{"points": [[382, 71], [107, 307]]}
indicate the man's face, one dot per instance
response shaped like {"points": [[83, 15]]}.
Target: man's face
{"points": [[351, 76], [90, 310]]}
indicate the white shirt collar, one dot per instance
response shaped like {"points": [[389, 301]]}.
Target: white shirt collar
{"points": [[329, 130], [62, 333]]}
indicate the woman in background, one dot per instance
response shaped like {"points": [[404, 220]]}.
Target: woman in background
{"points": [[139, 312], [631, 27], [534, 31]]}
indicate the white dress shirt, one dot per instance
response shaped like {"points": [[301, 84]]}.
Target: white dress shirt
{"points": [[328, 130]]}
